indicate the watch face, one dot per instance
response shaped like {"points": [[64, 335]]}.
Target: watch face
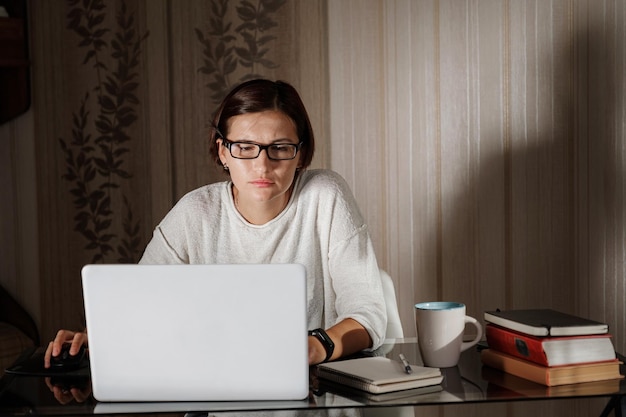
{"points": [[326, 338]]}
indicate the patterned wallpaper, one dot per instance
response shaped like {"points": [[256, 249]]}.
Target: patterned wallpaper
{"points": [[140, 81]]}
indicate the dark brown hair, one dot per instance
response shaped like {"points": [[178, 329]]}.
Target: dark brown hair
{"points": [[262, 95]]}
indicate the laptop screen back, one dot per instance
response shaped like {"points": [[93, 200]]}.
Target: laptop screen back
{"points": [[197, 332]]}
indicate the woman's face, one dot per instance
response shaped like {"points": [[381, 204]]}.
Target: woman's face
{"points": [[261, 180]]}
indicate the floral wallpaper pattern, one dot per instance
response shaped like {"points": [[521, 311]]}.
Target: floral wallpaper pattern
{"points": [[234, 48], [230, 45], [95, 153]]}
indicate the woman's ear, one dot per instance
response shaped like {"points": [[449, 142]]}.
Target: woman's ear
{"points": [[221, 151]]}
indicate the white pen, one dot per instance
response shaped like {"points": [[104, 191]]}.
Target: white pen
{"points": [[405, 363]]}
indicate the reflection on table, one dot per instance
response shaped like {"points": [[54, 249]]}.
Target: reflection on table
{"points": [[470, 381]]}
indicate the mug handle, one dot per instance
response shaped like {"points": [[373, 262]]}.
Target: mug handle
{"points": [[479, 334]]}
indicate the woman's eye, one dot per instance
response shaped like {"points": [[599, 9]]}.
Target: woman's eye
{"points": [[246, 148]]}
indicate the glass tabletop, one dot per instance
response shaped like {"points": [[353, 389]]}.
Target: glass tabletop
{"points": [[469, 382]]}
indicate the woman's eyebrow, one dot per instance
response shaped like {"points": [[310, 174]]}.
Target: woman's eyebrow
{"points": [[275, 141]]}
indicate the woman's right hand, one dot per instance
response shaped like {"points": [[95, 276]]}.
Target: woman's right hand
{"points": [[76, 339]]}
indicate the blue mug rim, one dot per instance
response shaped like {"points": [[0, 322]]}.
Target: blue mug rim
{"points": [[439, 305]]}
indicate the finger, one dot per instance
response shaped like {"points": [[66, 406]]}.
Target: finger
{"points": [[63, 396], [47, 355], [62, 337], [79, 395], [78, 340], [54, 347]]}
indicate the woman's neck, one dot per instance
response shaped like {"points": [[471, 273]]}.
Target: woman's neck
{"points": [[259, 213]]}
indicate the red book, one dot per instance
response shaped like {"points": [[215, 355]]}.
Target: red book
{"points": [[551, 351]]}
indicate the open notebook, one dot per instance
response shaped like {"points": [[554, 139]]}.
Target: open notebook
{"points": [[197, 332]]}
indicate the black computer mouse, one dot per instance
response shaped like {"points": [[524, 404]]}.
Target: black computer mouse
{"points": [[66, 362]]}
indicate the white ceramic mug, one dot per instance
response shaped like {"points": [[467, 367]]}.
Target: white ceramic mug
{"points": [[440, 328]]}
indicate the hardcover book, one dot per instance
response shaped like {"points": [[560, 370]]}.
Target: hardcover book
{"points": [[504, 385], [551, 350], [551, 376], [545, 322]]}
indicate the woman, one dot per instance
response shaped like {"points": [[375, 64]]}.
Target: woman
{"points": [[275, 211]]}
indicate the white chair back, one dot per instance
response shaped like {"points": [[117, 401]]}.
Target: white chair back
{"points": [[394, 325]]}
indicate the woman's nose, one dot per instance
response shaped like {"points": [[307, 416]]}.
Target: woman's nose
{"points": [[263, 160]]}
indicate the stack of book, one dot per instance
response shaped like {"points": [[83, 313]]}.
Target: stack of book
{"points": [[549, 347]]}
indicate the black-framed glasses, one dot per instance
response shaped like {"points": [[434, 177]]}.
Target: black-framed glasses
{"points": [[275, 151]]}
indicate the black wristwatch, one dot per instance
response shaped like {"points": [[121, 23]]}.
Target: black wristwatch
{"points": [[326, 341]]}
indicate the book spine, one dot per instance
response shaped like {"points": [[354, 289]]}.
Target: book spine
{"points": [[515, 367], [515, 344], [515, 325]]}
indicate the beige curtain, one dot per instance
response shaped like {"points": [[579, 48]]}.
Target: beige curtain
{"points": [[484, 142]]}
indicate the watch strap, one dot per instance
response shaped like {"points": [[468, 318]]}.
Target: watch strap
{"points": [[321, 335]]}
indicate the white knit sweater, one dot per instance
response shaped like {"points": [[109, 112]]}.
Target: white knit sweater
{"points": [[321, 227]]}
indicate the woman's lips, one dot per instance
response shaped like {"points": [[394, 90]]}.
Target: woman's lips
{"points": [[262, 183]]}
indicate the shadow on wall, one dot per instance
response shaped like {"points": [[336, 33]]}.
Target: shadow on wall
{"points": [[526, 232], [603, 123]]}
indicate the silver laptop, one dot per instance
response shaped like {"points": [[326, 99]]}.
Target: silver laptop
{"points": [[197, 332]]}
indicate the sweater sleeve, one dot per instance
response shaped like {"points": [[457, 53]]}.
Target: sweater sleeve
{"points": [[357, 285], [184, 234], [159, 251], [172, 237], [354, 273]]}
